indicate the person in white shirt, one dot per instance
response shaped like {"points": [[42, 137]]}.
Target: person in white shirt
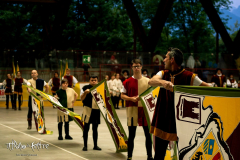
{"points": [[72, 81], [39, 84], [117, 88], [111, 89], [231, 82]]}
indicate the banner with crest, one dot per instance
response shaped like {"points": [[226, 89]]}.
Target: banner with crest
{"points": [[76, 117], [208, 122], [102, 98], [37, 108]]}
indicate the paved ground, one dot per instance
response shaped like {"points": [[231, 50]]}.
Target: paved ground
{"points": [[13, 127]]}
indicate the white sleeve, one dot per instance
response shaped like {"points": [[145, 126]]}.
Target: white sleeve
{"points": [[25, 81], [160, 74], [81, 92], [4, 83], [197, 81], [45, 83], [228, 83], [123, 90], [75, 81], [235, 84], [50, 82]]}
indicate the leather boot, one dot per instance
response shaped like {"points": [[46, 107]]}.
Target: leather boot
{"points": [[60, 124], [29, 123], [67, 131], [19, 102]]}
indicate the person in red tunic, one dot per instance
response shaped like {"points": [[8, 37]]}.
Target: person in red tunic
{"points": [[54, 83], [163, 125], [7, 83], [218, 79], [72, 81], [132, 88], [18, 91]]}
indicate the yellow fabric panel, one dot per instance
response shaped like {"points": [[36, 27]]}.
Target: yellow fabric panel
{"points": [[142, 86], [228, 109]]}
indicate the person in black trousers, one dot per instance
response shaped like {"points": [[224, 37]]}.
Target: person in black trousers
{"points": [[91, 113]]}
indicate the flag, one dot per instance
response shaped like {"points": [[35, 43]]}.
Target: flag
{"points": [[17, 67], [64, 69], [102, 98], [208, 122], [13, 67], [37, 108], [149, 100], [60, 71], [76, 117]]}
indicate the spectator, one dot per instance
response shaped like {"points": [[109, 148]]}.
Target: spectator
{"points": [[197, 63], [218, 79], [191, 62], [85, 71], [145, 73], [231, 82], [157, 61], [124, 77]]}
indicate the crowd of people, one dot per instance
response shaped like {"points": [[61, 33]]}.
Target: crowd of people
{"points": [[127, 88]]}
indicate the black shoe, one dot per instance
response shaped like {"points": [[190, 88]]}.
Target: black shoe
{"points": [[129, 158], [29, 124], [84, 148], [68, 137], [97, 148], [150, 158], [19, 108], [60, 138]]}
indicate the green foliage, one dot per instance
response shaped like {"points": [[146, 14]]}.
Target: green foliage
{"points": [[105, 25]]}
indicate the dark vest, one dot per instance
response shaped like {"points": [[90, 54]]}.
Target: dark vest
{"points": [[56, 84], [70, 80], [39, 85], [18, 82], [164, 115], [9, 83], [219, 80], [88, 99]]}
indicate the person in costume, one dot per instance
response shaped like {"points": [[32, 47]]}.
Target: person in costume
{"points": [[231, 82], [91, 113], [145, 73], [72, 81], [117, 89], [39, 84], [218, 79], [163, 125], [18, 91], [67, 97], [132, 88], [107, 81], [123, 78], [7, 83], [54, 83]]}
